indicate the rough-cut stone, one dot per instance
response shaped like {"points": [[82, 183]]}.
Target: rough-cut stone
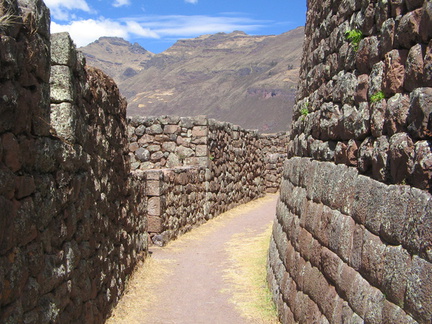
{"points": [[408, 31], [396, 113], [394, 73], [61, 84], [62, 52], [419, 290], [414, 68], [419, 119], [154, 129], [422, 169], [142, 154], [401, 155]]}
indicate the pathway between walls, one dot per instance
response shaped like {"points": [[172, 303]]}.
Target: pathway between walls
{"points": [[186, 281]]}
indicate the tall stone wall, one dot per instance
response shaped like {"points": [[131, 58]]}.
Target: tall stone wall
{"points": [[172, 141], [368, 105], [197, 168], [71, 230], [352, 241]]}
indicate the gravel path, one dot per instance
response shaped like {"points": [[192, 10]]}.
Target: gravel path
{"points": [[183, 282]]}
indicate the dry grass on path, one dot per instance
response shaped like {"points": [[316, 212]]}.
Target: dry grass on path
{"points": [[247, 276], [137, 299]]}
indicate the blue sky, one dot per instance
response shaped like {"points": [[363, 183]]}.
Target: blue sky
{"points": [[157, 24]]}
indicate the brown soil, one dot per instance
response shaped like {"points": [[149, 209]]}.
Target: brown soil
{"points": [[184, 282]]}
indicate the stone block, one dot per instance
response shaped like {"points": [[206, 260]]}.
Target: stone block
{"points": [[154, 206], [414, 68], [419, 125], [421, 176], [153, 148], [171, 129], [199, 131], [401, 155], [186, 122], [61, 84], [184, 152], [372, 260], [154, 129], [396, 114], [25, 186], [408, 30], [12, 157], [133, 146], [142, 154], [154, 188], [169, 146], [140, 130], [63, 51], [201, 150], [156, 156], [396, 268], [64, 121], [418, 296], [200, 120]]}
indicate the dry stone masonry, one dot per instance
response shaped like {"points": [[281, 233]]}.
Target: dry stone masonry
{"points": [[352, 240], [81, 187], [368, 105], [197, 168], [71, 231]]}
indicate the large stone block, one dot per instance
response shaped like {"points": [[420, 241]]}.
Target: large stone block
{"points": [[154, 206], [64, 121], [63, 51], [61, 84], [154, 224], [419, 290], [154, 188]]}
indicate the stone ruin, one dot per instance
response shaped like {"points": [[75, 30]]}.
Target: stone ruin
{"points": [[83, 190], [352, 242]]}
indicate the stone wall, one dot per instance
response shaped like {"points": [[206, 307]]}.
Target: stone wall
{"points": [[214, 166], [352, 241], [349, 249], [167, 142], [340, 116], [71, 225], [172, 141]]}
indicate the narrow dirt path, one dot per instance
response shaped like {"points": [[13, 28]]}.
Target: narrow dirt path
{"points": [[186, 281]]}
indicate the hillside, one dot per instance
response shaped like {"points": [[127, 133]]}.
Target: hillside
{"points": [[246, 80]]}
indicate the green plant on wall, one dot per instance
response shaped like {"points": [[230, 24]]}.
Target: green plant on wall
{"points": [[304, 111], [378, 96], [354, 36]]}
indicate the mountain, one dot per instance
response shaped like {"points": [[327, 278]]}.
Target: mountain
{"points": [[116, 57], [247, 80]]}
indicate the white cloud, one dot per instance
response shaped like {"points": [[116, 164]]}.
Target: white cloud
{"points": [[60, 9], [191, 1], [190, 26], [120, 3], [84, 32]]}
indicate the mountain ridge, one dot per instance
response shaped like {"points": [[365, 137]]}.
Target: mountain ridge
{"points": [[235, 77]]}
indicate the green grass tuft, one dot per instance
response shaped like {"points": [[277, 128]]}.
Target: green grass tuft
{"points": [[354, 36], [377, 97]]}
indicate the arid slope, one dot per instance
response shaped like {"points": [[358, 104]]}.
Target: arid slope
{"points": [[246, 80]]}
